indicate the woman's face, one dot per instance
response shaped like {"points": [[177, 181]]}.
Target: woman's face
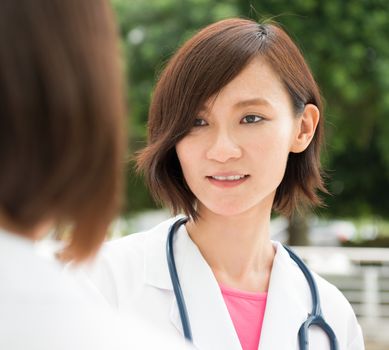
{"points": [[235, 156]]}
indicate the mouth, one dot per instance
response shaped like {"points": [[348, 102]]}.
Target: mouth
{"points": [[227, 180]]}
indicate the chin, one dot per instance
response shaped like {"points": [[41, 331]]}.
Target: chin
{"points": [[227, 210], [235, 207]]}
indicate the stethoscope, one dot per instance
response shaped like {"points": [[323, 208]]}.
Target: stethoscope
{"points": [[315, 318]]}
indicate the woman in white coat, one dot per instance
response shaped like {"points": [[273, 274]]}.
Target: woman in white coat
{"points": [[235, 129]]}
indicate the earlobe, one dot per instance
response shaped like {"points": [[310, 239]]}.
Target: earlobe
{"points": [[306, 127]]}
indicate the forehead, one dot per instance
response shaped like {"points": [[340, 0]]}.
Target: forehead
{"points": [[257, 83]]}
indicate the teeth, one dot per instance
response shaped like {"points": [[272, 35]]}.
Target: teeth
{"points": [[228, 178]]}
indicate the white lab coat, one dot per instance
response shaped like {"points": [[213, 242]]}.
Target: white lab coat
{"points": [[41, 309], [132, 274]]}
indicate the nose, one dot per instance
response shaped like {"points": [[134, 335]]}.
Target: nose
{"points": [[223, 148]]}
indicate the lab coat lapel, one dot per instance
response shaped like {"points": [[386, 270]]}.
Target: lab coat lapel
{"points": [[288, 304], [212, 327], [156, 272], [210, 321]]}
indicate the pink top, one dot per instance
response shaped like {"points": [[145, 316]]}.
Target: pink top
{"points": [[246, 310]]}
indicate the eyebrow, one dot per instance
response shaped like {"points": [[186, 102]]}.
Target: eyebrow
{"points": [[252, 101], [258, 101]]}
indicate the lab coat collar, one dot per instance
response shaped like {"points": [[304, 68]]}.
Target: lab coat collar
{"points": [[156, 272], [211, 324], [288, 301]]}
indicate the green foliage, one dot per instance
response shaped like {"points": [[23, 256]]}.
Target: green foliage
{"points": [[347, 46]]}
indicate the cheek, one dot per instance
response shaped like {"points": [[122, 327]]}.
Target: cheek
{"points": [[187, 155], [270, 144], [270, 153]]}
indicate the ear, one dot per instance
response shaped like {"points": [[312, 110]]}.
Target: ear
{"points": [[305, 128]]}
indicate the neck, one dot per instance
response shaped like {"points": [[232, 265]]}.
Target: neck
{"points": [[237, 248]]}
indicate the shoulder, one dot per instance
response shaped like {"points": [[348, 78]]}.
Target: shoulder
{"points": [[327, 291], [38, 300], [336, 309], [27, 274], [136, 244], [330, 294], [119, 269]]}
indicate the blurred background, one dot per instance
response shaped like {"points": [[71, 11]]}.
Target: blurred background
{"points": [[346, 44]]}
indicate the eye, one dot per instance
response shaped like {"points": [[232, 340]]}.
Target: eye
{"points": [[251, 118], [200, 122]]}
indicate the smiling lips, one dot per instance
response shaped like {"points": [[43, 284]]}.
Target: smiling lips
{"points": [[227, 180]]}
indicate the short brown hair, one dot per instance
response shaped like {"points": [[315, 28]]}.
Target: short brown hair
{"points": [[202, 67], [61, 117]]}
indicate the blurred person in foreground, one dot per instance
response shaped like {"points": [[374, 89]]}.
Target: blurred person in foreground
{"points": [[62, 151]]}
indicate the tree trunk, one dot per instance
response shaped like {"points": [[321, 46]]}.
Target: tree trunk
{"points": [[298, 229]]}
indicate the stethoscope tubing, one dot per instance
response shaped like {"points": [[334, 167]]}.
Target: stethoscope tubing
{"points": [[314, 318], [175, 280]]}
